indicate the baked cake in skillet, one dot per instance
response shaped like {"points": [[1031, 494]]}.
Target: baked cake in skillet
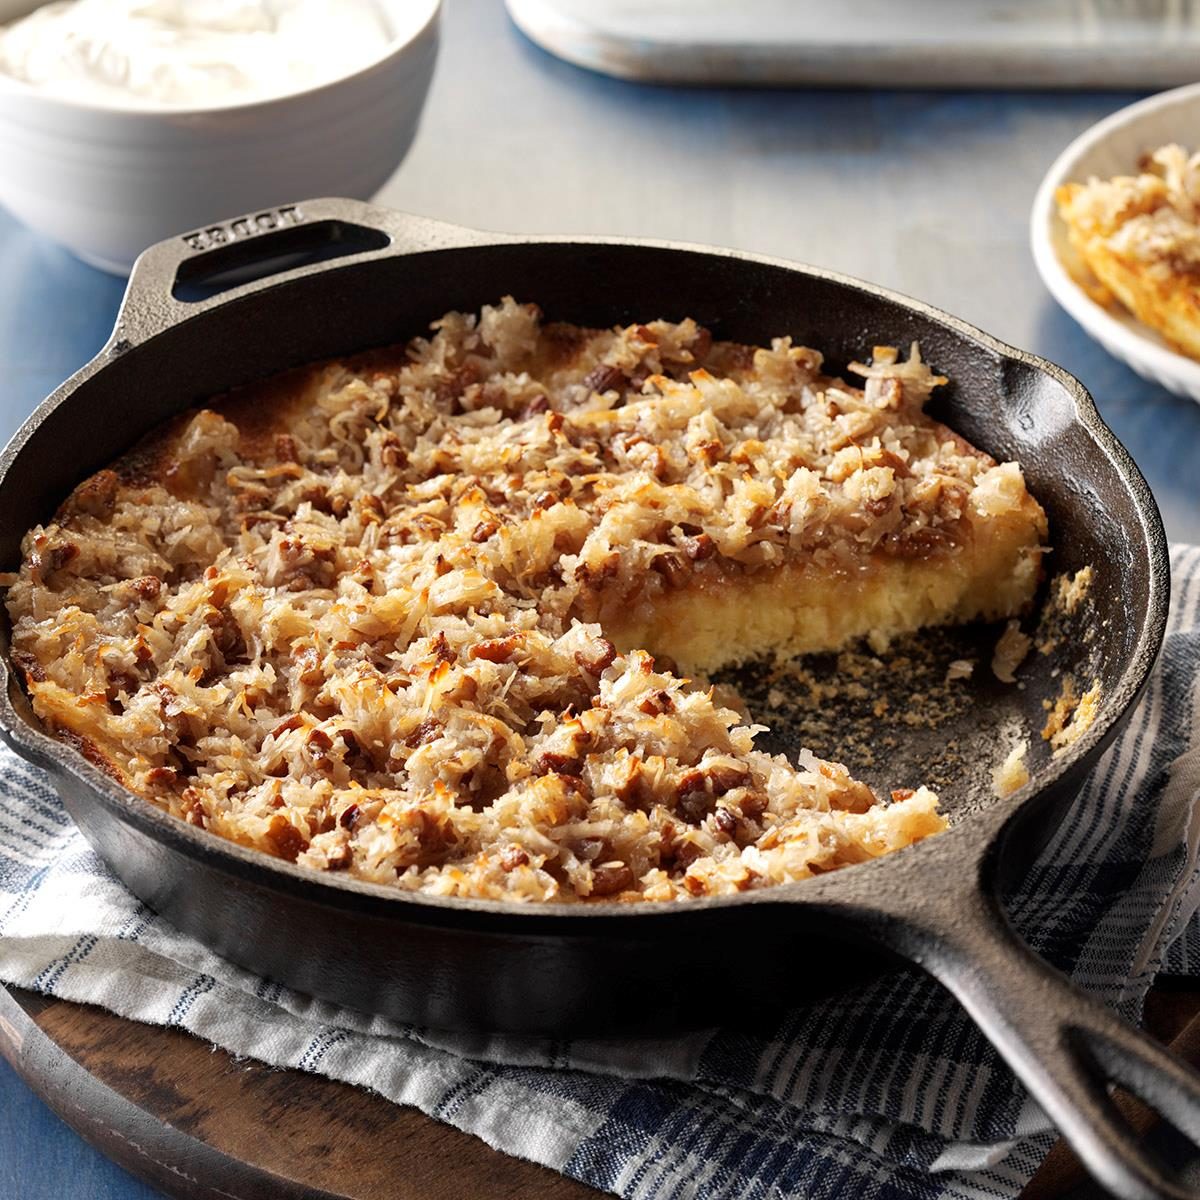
{"points": [[439, 616]]}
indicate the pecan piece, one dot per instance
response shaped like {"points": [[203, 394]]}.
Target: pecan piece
{"points": [[725, 820], [551, 761], [702, 343], [692, 797], [357, 756], [589, 574], [340, 858], [371, 507], [512, 857], [449, 391], [899, 467], [855, 797], [598, 658], [320, 740], [308, 665], [147, 586], [30, 665], [593, 849], [285, 839], [427, 731], [753, 804], [191, 807], [392, 453], [610, 878], [495, 650], [671, 567], [656, 704], [62, 554], [726, 778], [605, 378]]}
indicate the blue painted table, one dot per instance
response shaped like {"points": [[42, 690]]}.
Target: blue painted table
{"points": [[925, 192]]}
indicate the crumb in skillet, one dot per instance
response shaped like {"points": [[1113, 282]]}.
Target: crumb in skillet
{"points": [[1070, 714], [1012, 773], [1011, 650]]}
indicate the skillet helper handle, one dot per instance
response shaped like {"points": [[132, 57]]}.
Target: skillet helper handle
{"points": [[182, 276], [1064, 1046]]}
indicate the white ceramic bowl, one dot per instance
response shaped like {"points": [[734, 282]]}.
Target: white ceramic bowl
{"points": [[1113, 147], [107, 181]]}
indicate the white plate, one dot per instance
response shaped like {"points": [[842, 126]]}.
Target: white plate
{"points": [[1113, 147]]}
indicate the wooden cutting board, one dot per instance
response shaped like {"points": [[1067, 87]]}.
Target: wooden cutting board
{"points": [[194, 1122]]}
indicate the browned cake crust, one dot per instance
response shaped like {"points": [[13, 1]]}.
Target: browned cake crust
{"points": [[395, 615]]}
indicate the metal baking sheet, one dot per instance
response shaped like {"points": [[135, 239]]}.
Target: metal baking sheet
{"points": [[1144, 44]]}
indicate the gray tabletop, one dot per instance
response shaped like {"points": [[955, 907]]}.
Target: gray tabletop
{"points": [[925, 192]]}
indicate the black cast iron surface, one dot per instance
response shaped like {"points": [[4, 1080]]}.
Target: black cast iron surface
{"points": [[220, 309]]}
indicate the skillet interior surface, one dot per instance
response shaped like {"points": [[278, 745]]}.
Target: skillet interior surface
{"points": [[1005, 403]]}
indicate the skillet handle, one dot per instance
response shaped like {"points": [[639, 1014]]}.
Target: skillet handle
{"points": [[182, 276], [1064, 1046]]}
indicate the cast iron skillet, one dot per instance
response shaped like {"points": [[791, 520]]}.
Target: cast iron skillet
{"points": [[228, 305]]}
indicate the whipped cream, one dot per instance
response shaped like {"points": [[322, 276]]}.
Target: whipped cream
{"points": [[190, 53]]}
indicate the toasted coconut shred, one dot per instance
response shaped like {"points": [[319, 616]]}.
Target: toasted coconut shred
{"points": [[356, 618]]}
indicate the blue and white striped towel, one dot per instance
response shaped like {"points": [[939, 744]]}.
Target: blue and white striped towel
{"points": [[888, 1090]]}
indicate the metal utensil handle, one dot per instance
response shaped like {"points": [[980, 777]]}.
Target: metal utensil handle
{"points": [[150, 304], [1064, 1046]]}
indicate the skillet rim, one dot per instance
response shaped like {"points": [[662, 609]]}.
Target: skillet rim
{"points": [[839, 888]]}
